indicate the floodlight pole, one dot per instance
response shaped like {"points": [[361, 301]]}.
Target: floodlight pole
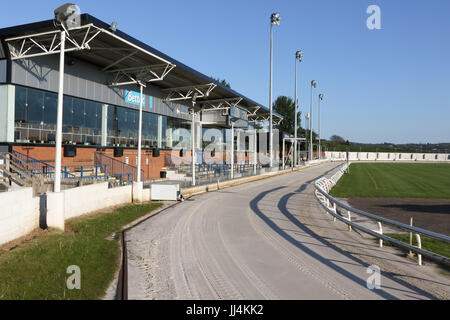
{"points": [[298, 56], [270, 97], [313, 84], [320, 149], [295, 114], [59, 116], [254, 151], [232, 150], [274, 20], [141, 96], [193, 143]]}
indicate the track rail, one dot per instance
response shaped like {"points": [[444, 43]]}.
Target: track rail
{"points": [[330, 204]]}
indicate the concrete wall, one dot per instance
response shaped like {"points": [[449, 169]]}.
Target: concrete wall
{"points": [[19, 214], [83, 200], [385, 156]]}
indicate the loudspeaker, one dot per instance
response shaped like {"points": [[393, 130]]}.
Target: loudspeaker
{"points": [[70, 151], [118, 152], [155, 152]]}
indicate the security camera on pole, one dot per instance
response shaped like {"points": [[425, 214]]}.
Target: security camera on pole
{"points": [[274, 20]]}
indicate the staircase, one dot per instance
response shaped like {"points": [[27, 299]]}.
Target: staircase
{"points": [[23, 171], [122, 173]]}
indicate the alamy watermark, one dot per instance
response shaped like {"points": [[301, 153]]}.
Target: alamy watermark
{"points": [[374, 280], [217, 148], [374, 20], [74, 280]]}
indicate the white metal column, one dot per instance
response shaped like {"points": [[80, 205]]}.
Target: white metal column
{"points": [[295, 113], [140, 134], [254, 152], [59, 117], [193, 146], [232, 150], [270, 98]]}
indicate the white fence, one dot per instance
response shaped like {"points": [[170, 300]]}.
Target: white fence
{"points": [[385, 156], [330, 204]]}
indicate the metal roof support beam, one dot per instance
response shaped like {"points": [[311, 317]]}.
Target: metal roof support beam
{"points": [[186, 93], [221, 104], [47, 43], [119, 61], [144, 74]]}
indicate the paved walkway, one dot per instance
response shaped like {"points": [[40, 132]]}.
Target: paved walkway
{"points": [[266, 240]]}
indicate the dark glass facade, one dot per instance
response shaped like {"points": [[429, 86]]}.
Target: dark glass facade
{"points": [[35, 122]]}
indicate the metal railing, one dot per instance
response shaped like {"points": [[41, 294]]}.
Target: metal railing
{"points": [[330, 204], [114, 168], [34, 166]]}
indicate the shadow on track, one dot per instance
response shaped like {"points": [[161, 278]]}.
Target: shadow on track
{"points": [[283, 209]]}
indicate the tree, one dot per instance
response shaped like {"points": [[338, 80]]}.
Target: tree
{"points": [[223, 82], [337, 139], [285, 106]]}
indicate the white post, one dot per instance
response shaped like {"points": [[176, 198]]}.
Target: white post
{"points": [[319, 149], [419, 245], [380, 231], [232, 150], [59, 119], [270, 98], [295, 115], [193, 146], [310, 127], [140, 134], [254, 153], [349, 217]]}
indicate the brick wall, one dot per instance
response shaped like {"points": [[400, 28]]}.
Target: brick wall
{"points": [[85, 156]]}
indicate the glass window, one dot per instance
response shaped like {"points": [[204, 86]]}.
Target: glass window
{"points": [[67, 111], [20, 107], [35, 100], [93, 113], [150, 128], [50, 108], [78, 112]]}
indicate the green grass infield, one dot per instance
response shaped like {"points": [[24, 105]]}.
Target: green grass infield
{"points": [[395, 180]]}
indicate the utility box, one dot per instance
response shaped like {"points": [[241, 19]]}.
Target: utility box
{"points": [[167, 191]]}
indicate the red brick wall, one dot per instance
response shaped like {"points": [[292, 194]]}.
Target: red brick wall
{"points": [[85, 156]]}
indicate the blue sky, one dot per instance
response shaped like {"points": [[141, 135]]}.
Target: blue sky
{"points": [[388, 85]]}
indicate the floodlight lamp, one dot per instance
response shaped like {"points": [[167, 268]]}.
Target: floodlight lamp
{"points": [[313, 83], [299, 55], [113, 26], [194, 97], [275, 19], [68, 15], [321, 96]]}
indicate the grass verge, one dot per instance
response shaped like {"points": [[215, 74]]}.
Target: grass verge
{"points": [[37, 270], [429, 244]]}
